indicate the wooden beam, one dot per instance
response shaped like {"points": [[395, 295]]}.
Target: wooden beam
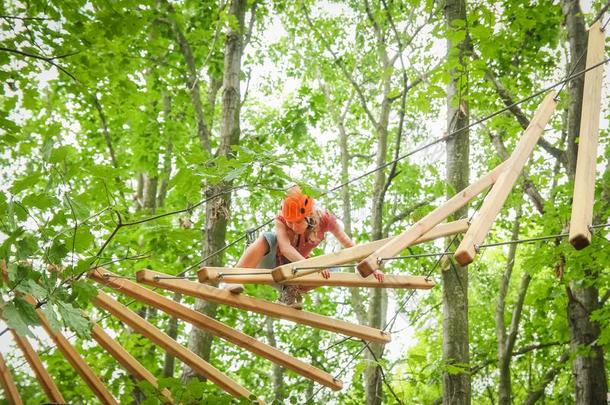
{"points": [[43, 377], [584, 181], [10, 389], [494, 201], [202, 321], [133, 366], [75, 360], [143, 327], [351, 280], [272, 309], [208, 274], [356, 253], [411, 235], [69, 352]]}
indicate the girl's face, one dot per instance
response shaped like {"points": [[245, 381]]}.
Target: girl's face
{"points": [[298, 227]]}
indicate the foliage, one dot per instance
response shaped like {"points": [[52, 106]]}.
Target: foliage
{"points": [[97, 120]]}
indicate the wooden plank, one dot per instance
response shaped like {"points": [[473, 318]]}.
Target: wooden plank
{"points": [[584, 181], [10, 389], [69, 352], [209, 274], [407, 238], [494, 201], [43, 377], [272, 309], [133, 366], [356, 253], [75, 360], [351, 280], [146, 329], [202, 321]]}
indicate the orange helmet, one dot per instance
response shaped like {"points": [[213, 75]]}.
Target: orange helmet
{"points": [[296, 206]]}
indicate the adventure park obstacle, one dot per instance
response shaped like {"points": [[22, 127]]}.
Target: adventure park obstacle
{"points": [[369, 256]]}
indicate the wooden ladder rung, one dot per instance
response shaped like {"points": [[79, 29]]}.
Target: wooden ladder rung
{"points": [[202, 321], [146, 329], [133, 366], [42, 375], [356, 253], [243, 301], [352, 280]]}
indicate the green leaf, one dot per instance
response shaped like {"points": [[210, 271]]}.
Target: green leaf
{"points": [[26, 311], [57, 252], [25, 183], [83, 291], [51, 316], [13, 319], [40, 200], [74, 319], [31, 287]]}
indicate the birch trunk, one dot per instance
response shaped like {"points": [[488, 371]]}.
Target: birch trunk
{"points": [[583, 296], [218, 209], [456, 382]]}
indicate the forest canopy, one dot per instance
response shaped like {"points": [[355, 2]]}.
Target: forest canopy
{"points": [[164, 135]]}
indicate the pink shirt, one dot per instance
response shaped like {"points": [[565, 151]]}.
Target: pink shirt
{"points": [[328, 223]]}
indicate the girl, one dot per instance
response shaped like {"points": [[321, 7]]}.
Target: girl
{"points": [[300, 227]]}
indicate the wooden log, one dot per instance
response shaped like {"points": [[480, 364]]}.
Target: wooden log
{"points": [[351, 280], [10, 389], [494, 201], [407, 238], [202, 321], [209, 274], [133, 366], [143, 327], [69, 352], [75, 360], [584, 181], [356, 253], [272, 309], [43, 377]]}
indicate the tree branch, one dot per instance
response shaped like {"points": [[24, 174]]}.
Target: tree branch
{"points": [[192, 79], [342, 67], [405, 213], [528, 186], [49, 60], [550, 375], [509, 102]]}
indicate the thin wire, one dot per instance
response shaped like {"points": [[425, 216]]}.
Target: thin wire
{"points": [[477, 122], [338, 266], [263, 273], [488, 245], [157, 278]]}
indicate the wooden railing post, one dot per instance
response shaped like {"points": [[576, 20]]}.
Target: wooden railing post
{"points": [[494, 201], [584, 180]]}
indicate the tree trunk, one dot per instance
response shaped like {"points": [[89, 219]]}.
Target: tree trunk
{"points": [[217, 209], [379, 296], [456, 380], [172, 331], [583, 296], [277, 377]]}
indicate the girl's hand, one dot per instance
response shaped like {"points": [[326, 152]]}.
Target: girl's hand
{"points": [[378, 275], [325, 273]]}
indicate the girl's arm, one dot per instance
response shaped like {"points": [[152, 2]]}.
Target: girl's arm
{"points": [[283, 241], [347, 243], [342, 237]]}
